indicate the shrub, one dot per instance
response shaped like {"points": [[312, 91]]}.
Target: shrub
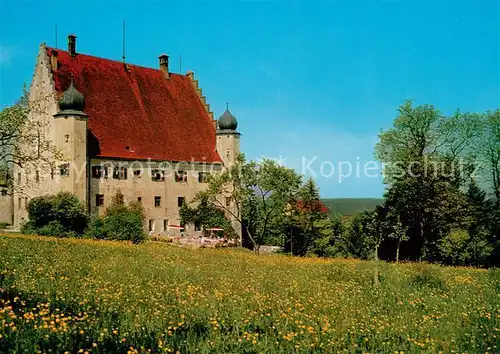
{"points": [[62, 214], [121, 222], [3, 225]]}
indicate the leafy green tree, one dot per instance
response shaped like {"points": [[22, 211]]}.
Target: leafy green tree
{"points": [[61, 214], [22, 139], [207, 215], [121, 221], [489, 152], [253, 194], [423, 174], [311, 230]]}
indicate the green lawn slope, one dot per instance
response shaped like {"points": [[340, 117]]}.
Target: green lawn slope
{"points": [[83, 296]]}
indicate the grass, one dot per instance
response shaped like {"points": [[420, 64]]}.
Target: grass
{"points": [[350, 206], [109, 297]]}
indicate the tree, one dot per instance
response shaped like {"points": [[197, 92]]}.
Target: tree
{"points": [[61, 214], [207, 215], [399, 233], [253, 194], [489, 148], [23, 141], [310, 231], [424, 174]]}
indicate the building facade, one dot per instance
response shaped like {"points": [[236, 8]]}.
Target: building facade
{"points": [[145, 132]]}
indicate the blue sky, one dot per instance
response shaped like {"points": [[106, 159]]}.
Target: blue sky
{"points": [[307, 80]]}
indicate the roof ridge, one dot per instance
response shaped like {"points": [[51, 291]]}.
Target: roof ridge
{"points": [[114, 61]]}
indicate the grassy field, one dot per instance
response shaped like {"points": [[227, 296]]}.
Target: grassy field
{"points": [[350, 206], [107, 297]]}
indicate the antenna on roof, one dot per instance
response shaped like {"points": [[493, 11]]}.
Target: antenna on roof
{"points": [[123, 43], [56, 36]]}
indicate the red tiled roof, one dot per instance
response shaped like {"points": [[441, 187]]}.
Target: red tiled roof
{"points": [[156, 117]]}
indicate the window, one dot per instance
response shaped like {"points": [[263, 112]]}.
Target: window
{"points": [[180, 176], [180, 201], [137, 173], [228, 201], [4, 192], [157, 201], [19, 178], [158, 175], [165, 224], [19, 202], [203, 177], [151, 225], [99, 171], [197, 226], [25, 202], [99, 199], [52, 173], [120, 173], [64, 169], [66, 138], [139, 199], [37, 176]]}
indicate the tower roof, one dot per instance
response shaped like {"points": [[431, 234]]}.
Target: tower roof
{"points": [[227, 121], [72, 102]]}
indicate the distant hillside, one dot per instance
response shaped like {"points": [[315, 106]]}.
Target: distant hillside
{"points": [[350, 206]]}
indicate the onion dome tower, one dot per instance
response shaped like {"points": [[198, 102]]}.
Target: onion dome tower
{"points": [[70, 127], [228, 138]]}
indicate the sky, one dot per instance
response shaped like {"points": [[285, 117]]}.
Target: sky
{"points": [[312, 83]]}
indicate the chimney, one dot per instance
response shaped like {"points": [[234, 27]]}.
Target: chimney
{"points": [[164, 64], [53, 60], [72, 44]]}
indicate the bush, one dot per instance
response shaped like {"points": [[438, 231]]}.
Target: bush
{"points": [[121, 222], [3, 225], [62, 214]]}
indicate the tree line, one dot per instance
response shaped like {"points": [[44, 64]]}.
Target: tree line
{"points": [[441, 204]]}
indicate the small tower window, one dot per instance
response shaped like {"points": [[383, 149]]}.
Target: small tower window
{"points": [[228, 201], [157, 201], [37, 176], [64, 169], [99, 200], [165, 224], [66, 138], [180, 201]]}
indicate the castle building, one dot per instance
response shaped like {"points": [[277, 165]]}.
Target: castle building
{"points": [[147, 132]]}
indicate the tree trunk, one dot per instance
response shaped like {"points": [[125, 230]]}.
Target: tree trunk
{"points": [[375, 271], [397, 253]]}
